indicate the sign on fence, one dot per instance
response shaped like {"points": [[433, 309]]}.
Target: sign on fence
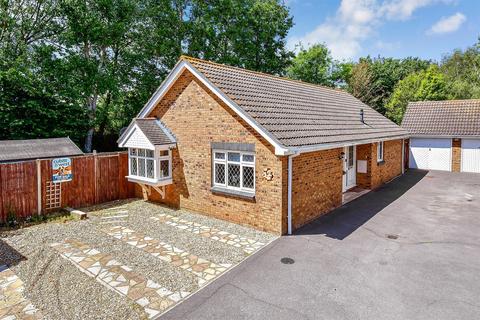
{"points": [[62, 170]]}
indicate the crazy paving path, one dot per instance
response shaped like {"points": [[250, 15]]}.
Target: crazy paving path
{"points": [[13, 304], [249, 246], [202, 268], [116, 215], [152, 297]]}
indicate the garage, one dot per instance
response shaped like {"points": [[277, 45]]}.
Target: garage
{"points": [[471, 155], [444, 135], [430, 154]]}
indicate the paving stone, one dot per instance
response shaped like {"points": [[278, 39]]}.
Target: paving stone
{"points": [[13, 304], [203, 269], [249, 246], [122, 279]]}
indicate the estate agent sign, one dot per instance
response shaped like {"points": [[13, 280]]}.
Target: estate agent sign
{"points": [[62, 169]]}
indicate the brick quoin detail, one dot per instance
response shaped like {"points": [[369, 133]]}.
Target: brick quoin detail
{"points": [[456, 155]]}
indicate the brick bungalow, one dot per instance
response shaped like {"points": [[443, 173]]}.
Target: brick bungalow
{"points": [[256, 149]]}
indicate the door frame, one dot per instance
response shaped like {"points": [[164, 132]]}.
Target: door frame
{"points": [[345, 169]]}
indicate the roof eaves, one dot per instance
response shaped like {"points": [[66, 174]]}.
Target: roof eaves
{"points": [[326, 146]]}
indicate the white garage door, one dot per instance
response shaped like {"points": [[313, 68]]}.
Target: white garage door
{"points": [[471, 155], [431, 154]]}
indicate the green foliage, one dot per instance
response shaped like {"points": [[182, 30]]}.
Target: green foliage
{"points": [[73, 68], [430, 84], [30, 109], [462, 71], [316, 65], [245, 33], [373, 80], [12, 220]]}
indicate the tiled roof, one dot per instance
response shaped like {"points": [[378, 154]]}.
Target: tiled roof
{"points": [[296, 113], [155, 131], [443, 118], [16, 150]]}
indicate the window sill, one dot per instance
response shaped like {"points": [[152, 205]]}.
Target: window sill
{"points": [[151, 182], [233, 193]]}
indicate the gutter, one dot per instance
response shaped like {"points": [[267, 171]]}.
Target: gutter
{"points": [[289, 204], [327, 146]]}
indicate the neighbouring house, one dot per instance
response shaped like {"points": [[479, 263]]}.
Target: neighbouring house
{"points": [[445, 135], [257, 149], [23, 150]]}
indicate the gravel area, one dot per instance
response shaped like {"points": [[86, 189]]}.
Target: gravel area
{"points": [[61, 291]]}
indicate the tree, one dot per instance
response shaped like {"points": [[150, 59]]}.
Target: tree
{"points": [[30, 109], [430, 84], [373, 80], [316, 65], [244, 33], [462, 71]]}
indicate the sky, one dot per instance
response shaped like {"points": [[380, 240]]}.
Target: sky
{"points": [[390, 28]]}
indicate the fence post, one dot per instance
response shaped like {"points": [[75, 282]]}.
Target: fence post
{"points": [[39, 187], [95, 176]]}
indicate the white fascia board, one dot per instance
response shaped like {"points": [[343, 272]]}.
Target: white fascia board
{"points": [[443, 136], [327, 146], [122, 144], [173, 76]]}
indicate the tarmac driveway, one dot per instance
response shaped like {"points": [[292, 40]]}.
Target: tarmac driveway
{"points": [[409, 250]]}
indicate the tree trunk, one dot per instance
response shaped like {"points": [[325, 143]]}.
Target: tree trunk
{"points": [[88, 141]]}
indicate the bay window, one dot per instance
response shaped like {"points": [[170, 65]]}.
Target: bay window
{"points": [[234, 170], [149, 165]]}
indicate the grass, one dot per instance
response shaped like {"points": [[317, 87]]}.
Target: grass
{"points": [[60, 216]]}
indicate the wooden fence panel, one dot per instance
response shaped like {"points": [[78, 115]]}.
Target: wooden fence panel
{"points": [[80, 192], [19, 189], [91, 184], [126, 188], [107, 179]]}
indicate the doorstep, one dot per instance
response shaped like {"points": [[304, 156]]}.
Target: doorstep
{"points": [[353, 194]]}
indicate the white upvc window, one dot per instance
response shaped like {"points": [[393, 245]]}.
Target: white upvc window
{"points": [[380, 151], [234, 170], [150, 165]]}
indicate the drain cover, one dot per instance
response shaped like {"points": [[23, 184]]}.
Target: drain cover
{"points": [[287, 260], [392, 236]]}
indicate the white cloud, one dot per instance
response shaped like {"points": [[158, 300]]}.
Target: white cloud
{"points": [[355, 21], [448, 24], [343, 33], [402, 9]]}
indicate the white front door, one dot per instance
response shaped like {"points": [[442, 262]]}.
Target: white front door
{"points": [[471, 155], [431, 153], [350, 168]]}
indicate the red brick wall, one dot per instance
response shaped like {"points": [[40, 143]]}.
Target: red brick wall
{"points": [[390, 167], [379, 173], [364, 152], [197, 118], [317, 185], [456, 154]]}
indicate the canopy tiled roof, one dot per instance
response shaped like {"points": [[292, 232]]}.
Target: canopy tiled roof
{"points": [[443, 118], [296, 113], [155, 131], [17, 150]]}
